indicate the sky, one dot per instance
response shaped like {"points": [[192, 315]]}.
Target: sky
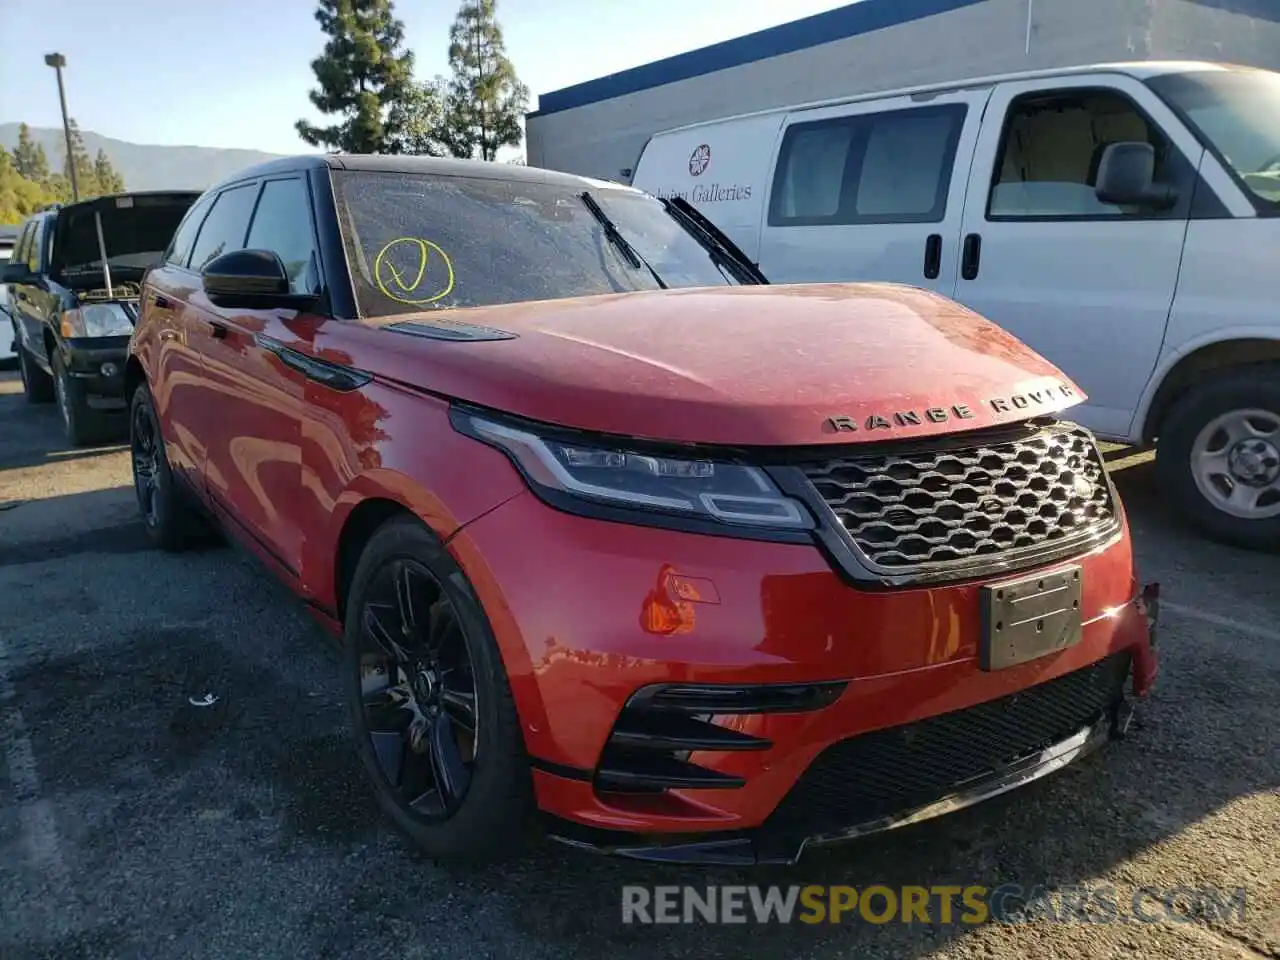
{"points": [[235, 73]]}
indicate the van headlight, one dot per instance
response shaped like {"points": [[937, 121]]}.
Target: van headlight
{"points": [[711, 491], [96, 320]]}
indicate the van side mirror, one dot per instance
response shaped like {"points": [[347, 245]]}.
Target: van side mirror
{"points": [[1126, 177], [251, 280]]}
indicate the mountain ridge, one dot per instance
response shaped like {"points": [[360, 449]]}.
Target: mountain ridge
{"points": [[147, 166]]}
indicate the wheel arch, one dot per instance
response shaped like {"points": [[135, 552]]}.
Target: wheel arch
{"points": [[134, 376], [50, 344], [364, 520], [1195, 366]]}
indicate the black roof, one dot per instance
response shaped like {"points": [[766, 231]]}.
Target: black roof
{"points": [[429, 166]]}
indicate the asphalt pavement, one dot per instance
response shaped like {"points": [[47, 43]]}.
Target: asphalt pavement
{"points": [[134, 823]]}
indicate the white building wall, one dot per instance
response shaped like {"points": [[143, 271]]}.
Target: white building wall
{"points": [[602, 139], [1189, 31]]}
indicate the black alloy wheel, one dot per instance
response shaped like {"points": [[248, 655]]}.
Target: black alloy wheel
{"points": [[419, 691], [435, 722], [146, 452], [171, 521]]}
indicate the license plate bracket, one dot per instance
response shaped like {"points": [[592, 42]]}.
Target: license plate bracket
{"points": [[1029, 618]]}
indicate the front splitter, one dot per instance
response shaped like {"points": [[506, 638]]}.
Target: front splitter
{"points": [[765, 846]]}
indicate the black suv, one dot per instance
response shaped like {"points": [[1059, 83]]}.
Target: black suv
{"points": [[73, 288]]}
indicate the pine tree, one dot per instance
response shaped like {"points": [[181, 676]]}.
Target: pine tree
{"points": [[486, 99], [108, 179], [362, 73], [84, 178], [29, 157], [19, 196], [418, 120]]}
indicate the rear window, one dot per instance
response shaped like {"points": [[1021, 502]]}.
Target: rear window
{"points": [[424, 242]]}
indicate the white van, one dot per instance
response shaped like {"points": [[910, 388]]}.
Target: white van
{"points": [[1121, 219]]}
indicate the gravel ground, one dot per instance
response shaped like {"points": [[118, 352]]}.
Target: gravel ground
{"points": [[135, 825]]}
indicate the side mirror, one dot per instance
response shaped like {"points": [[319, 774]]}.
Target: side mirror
{"points": [[1126, 177], [251, 280], [16, 273]]}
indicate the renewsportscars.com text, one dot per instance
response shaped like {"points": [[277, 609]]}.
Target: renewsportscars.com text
{"points": [[939, 904]]}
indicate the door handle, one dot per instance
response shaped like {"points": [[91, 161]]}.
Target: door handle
{"points": [[971, 256], [219, 330], [933, 256], [164, 303]]}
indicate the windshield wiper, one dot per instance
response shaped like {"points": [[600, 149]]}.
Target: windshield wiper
{"points": [[618, 240], [723, 250]]}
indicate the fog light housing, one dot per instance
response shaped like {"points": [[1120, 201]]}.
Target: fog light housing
{"points": [[109, 370]]}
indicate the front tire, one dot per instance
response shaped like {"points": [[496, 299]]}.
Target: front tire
{"points": [[80, 422], [170, 521], [37, 386], [1218, 456], [435, 723]]}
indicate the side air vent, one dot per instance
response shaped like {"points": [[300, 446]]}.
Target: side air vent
{"points": [[661, 726], [449, 330]]}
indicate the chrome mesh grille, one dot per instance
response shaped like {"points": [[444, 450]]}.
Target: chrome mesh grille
{"points": [[912, 510]]}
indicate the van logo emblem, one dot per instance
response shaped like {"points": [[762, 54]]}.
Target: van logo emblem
{"points": [[699, 160]]}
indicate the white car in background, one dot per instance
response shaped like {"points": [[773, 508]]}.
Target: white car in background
{"points": [[8, 343]]}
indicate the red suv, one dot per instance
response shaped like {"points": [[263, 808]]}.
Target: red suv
{"points": [[614, 532]]}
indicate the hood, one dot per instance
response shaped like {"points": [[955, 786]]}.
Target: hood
{"points": [[136, 230], [752, 365]]}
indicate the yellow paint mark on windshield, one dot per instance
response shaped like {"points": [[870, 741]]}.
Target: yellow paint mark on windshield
{"points": [[401, 267]]}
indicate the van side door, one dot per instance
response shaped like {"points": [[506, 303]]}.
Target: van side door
{"points": [[722, 168], [1087, 284], [872, 191]]}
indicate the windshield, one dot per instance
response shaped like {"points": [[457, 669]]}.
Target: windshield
{"points": [[1238, 112], [423, 242]]}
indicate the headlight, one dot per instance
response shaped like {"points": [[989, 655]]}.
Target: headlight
{"points": [[96, 320], [725, 493]]}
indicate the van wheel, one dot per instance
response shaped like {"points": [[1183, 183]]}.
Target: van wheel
{"points": [[434, 720], [1219, 456], [37, 386]]}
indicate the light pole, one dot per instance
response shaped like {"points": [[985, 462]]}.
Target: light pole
{"points": [[58, 61]]}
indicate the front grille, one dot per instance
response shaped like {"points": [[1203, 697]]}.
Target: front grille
{"points": [[895, 770], [933, 510]]}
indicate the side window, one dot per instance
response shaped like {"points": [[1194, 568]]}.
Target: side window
{"points": [[183, 239], [39, 231], [224, 228], [282, 224], [24, 243], [892, 167], [1050, 150]]}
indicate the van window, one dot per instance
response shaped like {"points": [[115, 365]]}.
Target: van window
{"points": [[890, 167], [1237, 113], [1050, 151]]}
